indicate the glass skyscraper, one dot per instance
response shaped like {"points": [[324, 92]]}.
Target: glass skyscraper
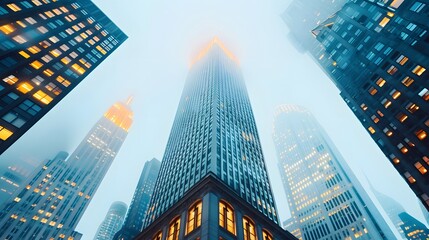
{"points": [[112, 222], [325, 198], [46, 49], [213, 183], [139, 205], [55, 197], [377, 54]]}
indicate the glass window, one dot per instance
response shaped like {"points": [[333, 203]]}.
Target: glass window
{"points": [[249, 229], [158, 236], [226, 217], [194, 216], [174, 230], [267, 235], [5, 133]]}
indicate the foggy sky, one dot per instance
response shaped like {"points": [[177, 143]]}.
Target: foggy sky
{"points": [[152, 65]]}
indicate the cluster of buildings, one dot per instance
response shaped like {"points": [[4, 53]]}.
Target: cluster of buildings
{"points": [[212, 182]]}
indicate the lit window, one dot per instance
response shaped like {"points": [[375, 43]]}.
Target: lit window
{"points": [[55, 52], [5, 133], [63, 81], [395, 93], [78, 68], [10, 80], [392, 70], [410, 178], [42, 29], [386, 102], [21, 24], [402, 117], [36, 64], [33, 49], [174, 230], [194, 217], [395, 160], [364, 106], [19, 39], [407, 81], [8, 28], [157, 236], [388, 132], [24, 54], [402, 148], [424, 94], [396, 3], [53, 39], [426, 159], [65, 60], [384, 22], [380, 82], [14, 7], [421, 168], [249, 229], [226, 217], [266, 235], [48, 72], [371, 130], [42, 97], [419, 70], [412, 107], [375, 119], [402, 60], [372, 91], [25, 87], [421, 134]]}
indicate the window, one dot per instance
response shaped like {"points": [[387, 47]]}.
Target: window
{"points": [[8, 28], [395, 93], [266, 235], [174, 229], [407, 81], [372, 91], [78, 68], [10, 80], [157, 236], [386, 102], [392, 70], [249, 229], [194, 216], [402, 60], [24, 54], [412, 107], [402, 117], [371, 130], [410, 178], [36, 64], [421, 134], [42, 97], [14, 7], [419, 70], [5, 133], [226, 217], [380, 82], [25, 87], [384, 22], [417, 7], [424, 94]]}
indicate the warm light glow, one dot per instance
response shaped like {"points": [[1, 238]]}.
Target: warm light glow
{"points": [[217, 42], [120, 115], [25, 87]]}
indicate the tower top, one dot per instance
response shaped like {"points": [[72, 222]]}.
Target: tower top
{"points": [[215, 42]]}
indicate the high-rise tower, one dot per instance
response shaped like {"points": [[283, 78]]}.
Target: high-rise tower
{"points": [[213, 183], [46, 49], [139, 205], [51, 204], [325, 198], [112, 222], [377, 54]]}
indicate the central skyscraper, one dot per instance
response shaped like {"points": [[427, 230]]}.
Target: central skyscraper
{"points": [[213, 183]]}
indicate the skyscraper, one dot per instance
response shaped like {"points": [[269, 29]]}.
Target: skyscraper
{"points": [[139, 205], [325, 198], [213, 182], [392, 208], [302, 15], [57, 194], [11, 179], [112, 222], [413, 228], [46, 49], [377, 53]]}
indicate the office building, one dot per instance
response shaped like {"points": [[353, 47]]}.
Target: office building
{"points": [[54, 199], [139, 205], [112, 222], [377, 54], [302, 15], [413, 228], [325, 199], [213, 183], [11, 179], [46, 49]]}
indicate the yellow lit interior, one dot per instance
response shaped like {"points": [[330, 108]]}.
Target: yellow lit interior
{"points": [[215, 41], [120, 115]]}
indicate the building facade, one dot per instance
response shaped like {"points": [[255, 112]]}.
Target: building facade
{"points": [[46, 49], [325, 198], [413, 228], [54, 199], [11, 179], [140, 203], [112, 222], [213, 183], [377, 53]]}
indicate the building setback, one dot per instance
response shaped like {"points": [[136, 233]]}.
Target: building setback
{"points": [[213, 183], [51, 204], [377, 54], [139, 205], [325, 198], [46, 49], [112, 222]]}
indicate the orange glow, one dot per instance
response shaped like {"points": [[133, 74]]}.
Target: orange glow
{"points": [[120, 115], [207, 49]]}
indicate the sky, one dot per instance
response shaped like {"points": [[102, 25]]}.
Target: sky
{"points": [[152, 65]]}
